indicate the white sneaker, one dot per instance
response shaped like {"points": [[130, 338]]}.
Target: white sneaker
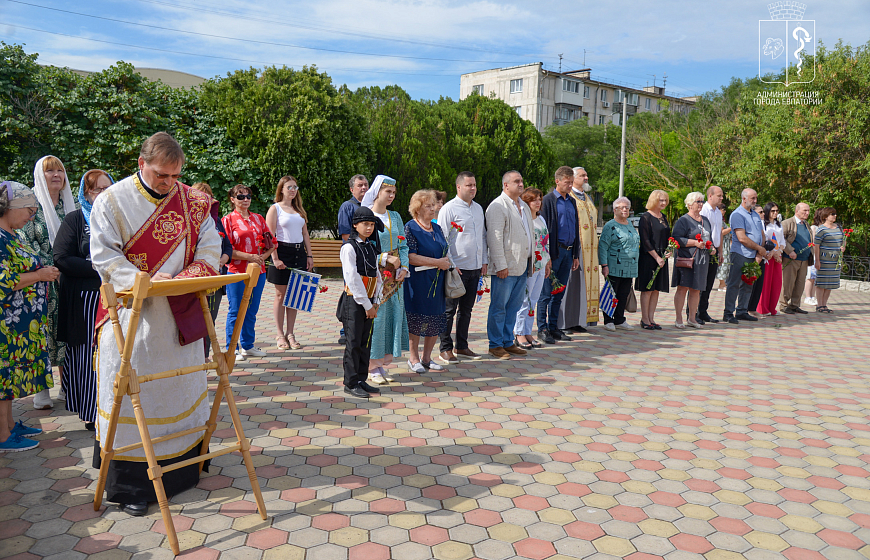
{"points": [[42, 400], [815, 301], [624, 326], [416, 368], [432, 366], [61, 395], [239, 356], [610, 327], [253, 352]]}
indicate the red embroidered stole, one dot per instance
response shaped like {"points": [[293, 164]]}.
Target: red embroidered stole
{"points": [[178, 217]]}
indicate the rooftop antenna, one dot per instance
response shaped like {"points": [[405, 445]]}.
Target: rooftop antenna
{"points": [[560, 63], [654, 79], [584, 58], [664, 80]]}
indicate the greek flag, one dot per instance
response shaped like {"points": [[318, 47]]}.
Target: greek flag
{"points": [[607, 299], [301, 290], [480, 286]]}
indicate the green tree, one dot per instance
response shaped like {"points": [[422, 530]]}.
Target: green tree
{"points": [[293, 122], [811, 146], [594, 148]]}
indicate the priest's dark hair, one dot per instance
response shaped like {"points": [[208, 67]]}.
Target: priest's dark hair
{"points": [[161, 147]]}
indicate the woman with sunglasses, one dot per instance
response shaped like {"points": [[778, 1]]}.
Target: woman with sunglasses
{"points": [[829, 243], [247, 232]]}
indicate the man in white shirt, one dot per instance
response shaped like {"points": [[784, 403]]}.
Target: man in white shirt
{"points": [[509, 237], [711, 212], [468, 254]]}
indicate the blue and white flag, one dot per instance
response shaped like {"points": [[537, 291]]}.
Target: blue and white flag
{"points": [[607, 299], [480, 285], [301, 290]]}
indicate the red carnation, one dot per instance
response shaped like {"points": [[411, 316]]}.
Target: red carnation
{"points": [[323, 288], [486, 290], [388, 274], [456, 226], [709, 244], [531, 312], [698, 237], [401, 238], [480, 292]]}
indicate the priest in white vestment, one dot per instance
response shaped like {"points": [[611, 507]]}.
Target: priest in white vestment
{"points": [[119, 220]]}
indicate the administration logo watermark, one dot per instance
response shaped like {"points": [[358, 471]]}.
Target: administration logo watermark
{"points": [[783, 41]]}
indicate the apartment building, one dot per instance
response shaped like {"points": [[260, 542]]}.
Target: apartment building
{"points": [[548, 98]]}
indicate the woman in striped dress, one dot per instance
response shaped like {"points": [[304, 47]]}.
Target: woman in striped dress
{"points": [[829, 245], [80, 292]]}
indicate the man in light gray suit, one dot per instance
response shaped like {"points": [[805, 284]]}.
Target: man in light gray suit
{"points": [[509, 235]]}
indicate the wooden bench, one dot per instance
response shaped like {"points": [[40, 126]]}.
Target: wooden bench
{"points": [[325, 252]]}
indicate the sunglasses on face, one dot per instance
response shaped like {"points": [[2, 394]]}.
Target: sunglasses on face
{"points": [[243, 197]]}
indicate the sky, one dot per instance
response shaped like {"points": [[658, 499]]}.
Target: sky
{"points": [[421, 45]]}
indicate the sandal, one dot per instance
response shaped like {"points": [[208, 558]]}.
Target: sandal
{"points": [[523, 345], [656, 326], [823, 309], [291, 340], [536, 343], [650, 327], [282, 343]]}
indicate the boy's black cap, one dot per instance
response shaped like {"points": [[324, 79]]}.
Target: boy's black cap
{"points": [[364, 214]]}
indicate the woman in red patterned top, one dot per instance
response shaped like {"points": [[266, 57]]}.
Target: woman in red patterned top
{"points": [[245, 230]]}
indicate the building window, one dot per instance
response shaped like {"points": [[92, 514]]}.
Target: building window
{"points": [[477, 89], [658, 106], [586, 92], [570, 85], [517, 86], [603, 96], [633, 99], [519, 109], [618, 96], [647, 102], [600, 119]]}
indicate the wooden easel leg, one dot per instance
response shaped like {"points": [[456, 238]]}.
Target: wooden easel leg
{"points": [[219, 357], [155, 473], [245, 445]]}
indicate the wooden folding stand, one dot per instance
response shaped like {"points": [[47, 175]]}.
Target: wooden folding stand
{"points": [[127, 383]]}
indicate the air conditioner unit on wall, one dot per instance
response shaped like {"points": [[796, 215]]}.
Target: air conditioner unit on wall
{"points": [[605, 104]]}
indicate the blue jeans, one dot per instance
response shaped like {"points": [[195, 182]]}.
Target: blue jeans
{"points": [[234, 296], [549, 304], [507, 297]]}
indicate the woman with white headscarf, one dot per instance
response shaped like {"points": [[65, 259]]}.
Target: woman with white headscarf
{"points": [[51, 187], [390, 328], [25, 368]]}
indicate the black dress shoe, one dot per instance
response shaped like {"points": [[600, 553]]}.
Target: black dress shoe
{"points": [[368, 388], [708, 319], [356, 391], [342, 340], [732, 320], [545, 336], [559, 334], [799, 310], [90, 426], [136, 510], [700, 321], [746, 317], [578, 329]]}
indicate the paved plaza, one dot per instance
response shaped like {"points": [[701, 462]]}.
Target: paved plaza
{"points": [[732, 442]]}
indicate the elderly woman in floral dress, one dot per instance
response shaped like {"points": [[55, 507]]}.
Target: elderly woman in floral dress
{"points": [[24, 365]]}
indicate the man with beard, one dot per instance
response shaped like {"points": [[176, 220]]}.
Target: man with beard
{"points": [[580, 305]]}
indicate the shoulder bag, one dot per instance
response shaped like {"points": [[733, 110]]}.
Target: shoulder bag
{"points": [[686, 262], [453, 286]]}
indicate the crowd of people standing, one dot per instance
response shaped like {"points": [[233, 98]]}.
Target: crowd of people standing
{"points": [[408, 286]]}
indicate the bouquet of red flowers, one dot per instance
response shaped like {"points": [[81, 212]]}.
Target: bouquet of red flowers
{"points": [[558, 287], [673, 245], [846, 233], [750, 271]]}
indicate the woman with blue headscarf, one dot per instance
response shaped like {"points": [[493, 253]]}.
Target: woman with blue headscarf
{"points": [[80, 291]]}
